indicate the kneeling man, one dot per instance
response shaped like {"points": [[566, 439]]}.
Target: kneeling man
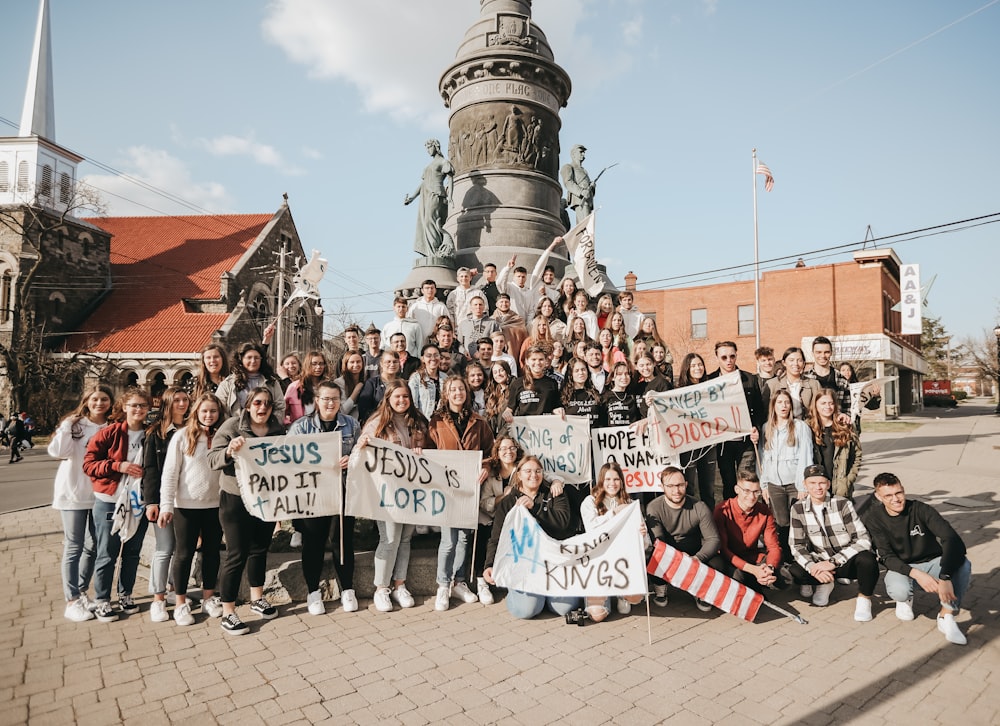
{"points": [[828, 540], [916, 544]]}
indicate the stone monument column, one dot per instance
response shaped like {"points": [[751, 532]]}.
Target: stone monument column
{"points": [[504, 91]]}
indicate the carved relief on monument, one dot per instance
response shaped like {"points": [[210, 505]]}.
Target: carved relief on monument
{"points": [[504, 135], [511, 30], [549, 84]]}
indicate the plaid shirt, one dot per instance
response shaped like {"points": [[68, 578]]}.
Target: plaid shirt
{"points": [[837, 535]]}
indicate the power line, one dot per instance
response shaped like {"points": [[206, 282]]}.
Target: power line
{"points": [[909, 236]]}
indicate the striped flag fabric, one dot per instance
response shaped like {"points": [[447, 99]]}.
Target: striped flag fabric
{"points": [[766, 173], [705, 583]]}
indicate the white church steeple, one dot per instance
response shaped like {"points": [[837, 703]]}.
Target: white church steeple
{"points": [[38, 117], [33, 168]]}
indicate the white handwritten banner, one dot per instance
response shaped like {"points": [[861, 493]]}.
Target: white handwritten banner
{"points": [[700, 415], [563, 446], [606, 561], [863, 391], [640, 464], [580, 243], [290, 477], [391, 483]]}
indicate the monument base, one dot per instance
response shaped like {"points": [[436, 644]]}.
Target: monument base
{"points": [[439, 269]]}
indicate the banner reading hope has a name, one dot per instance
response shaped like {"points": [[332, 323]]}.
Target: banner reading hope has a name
{"points": [[640, 464], [608, 560], [391, 483], [563, 446], [700, 415], [290, 477]]}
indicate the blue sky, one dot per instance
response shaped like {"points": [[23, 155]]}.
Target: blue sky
{"points": [[868, 113]]}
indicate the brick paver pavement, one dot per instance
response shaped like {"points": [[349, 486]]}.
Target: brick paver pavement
{"points": [[475, 664]]}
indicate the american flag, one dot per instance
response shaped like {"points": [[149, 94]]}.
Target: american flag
{"points": [[705, 583], [768, 177]]}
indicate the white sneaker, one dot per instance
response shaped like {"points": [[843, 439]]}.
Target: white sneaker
{"points": [[660, 598], [77, 611], [212, 606], [402, 597], [182, 615], [821, 597], [443, 600], [86, 602], [296, 540], [158, 611], [383, 603], [624, 606], [904, 609], [314, 603], [806, 591], [349, 601], [863, 609], [703, 606], [484, 591], [462, 592], [947, 625]]}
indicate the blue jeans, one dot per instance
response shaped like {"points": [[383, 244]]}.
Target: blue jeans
{"points": [[900, 587], [78, 551], [109, 546], [526, 605], [392, 555], [452, 552], [159, 569]]}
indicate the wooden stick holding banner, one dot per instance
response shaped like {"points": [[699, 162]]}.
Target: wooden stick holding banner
{"points": [[289, 477]]}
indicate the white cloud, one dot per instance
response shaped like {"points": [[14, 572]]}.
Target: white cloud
{"points": [[312, 153], [264, 154], [153, 176], [632, 30], [710, 6], [394, 52]]}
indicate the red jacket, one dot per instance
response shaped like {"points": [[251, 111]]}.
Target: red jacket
{"points": [[740, 532], [106, 450]]}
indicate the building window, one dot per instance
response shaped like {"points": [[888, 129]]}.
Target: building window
{"points": [[699, 323], [5, 285], [301, 329], [745, 320], [4, 177], [45, 188], [56, 302], [65, 188], [22, 176], [258, 308]]}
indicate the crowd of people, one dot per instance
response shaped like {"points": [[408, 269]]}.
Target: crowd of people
{"points": [[772, 509]]}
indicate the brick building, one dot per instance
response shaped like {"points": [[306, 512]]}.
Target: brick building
{"points": [[849, 302]]}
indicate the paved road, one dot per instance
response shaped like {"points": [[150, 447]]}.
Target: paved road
{"points": [[27, 483], [474, 664]]}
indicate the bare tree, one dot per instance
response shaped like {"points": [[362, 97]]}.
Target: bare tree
{"points": [[23, 350]]}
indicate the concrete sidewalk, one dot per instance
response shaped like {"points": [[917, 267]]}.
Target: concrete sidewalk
{"points": [[475, 664]]}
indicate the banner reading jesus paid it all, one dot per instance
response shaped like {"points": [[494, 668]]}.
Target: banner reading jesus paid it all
{"points": [[704, 414], [606, 561], [288, 477]]}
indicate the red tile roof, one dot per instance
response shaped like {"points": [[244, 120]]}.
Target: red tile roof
{"points": [[156, 262]]}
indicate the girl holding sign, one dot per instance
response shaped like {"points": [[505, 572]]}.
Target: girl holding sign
{"points": [[550, 508], [700, 464], [607, 499], [247, 538], [189, 503], [399, 421], [315, 530], [499, 483], [456, 427]]}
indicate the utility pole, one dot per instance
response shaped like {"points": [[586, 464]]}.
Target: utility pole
{"points": [[278, 331]]}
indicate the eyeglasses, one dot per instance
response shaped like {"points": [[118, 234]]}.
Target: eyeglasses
{"points": [[261, 403], [507, 448], [531, 472], [137, 405], [328, 400], [749, 492], [727, 357]]}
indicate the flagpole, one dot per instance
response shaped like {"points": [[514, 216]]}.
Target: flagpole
{"points": [[756, 257]]}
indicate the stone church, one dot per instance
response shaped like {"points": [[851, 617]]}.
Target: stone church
{"points": [[135, 298]]}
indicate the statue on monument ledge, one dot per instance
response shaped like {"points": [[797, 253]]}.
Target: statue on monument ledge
{"points": [[431, 239]]}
